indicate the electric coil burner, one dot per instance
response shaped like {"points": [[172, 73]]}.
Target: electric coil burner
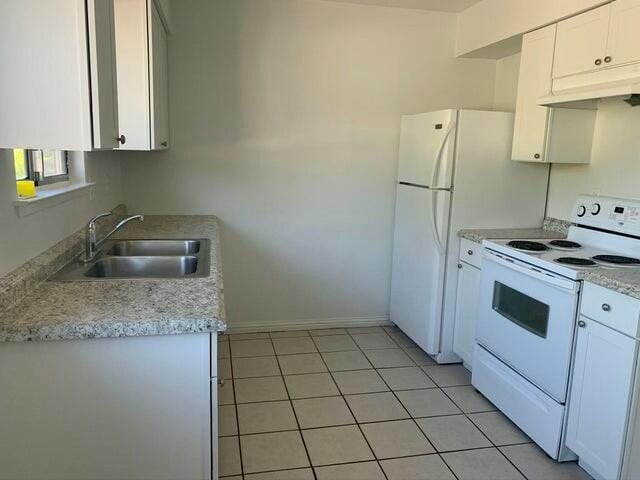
{"points": [[565, 245], [576, 262], [528, 246], [617, 260]]}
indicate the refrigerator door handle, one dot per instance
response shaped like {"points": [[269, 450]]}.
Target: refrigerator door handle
{"points": [[438, 160], [434, 221]]}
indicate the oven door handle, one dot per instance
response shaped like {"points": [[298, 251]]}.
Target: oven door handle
{"points": [[530, 271]]}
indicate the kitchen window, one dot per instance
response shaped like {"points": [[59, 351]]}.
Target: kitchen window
{"points": [[44, 167]]}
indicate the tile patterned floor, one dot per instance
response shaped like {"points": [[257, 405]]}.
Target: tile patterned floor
{"points": [[361, 404]]}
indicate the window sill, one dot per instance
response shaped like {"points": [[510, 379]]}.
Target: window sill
{"points": [[51, 196]]}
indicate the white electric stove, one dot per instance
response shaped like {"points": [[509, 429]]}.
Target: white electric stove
{"points": [[527, 313]]}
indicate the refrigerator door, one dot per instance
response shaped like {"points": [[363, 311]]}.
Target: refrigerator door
{"points": [[419, 257], [427, 144]]}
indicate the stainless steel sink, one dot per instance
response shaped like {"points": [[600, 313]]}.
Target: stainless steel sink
{"points": [[143, 267], [143, 248], [139, 259]]}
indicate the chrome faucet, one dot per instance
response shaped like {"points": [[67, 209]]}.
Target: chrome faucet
{"points": [[91, 243]]}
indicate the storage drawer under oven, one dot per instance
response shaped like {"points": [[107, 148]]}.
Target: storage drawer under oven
{"points": [[532, 410]]}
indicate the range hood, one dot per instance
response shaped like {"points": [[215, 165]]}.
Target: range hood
{"points": [[587, 97]]}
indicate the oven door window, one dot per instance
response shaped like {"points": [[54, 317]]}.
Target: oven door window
{"points": [[524, 311]]}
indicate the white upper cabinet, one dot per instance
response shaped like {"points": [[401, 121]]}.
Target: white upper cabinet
{"points": [[58, 88], [542, 134], [582, 42], [531, 120], [141, 45], [160, 83], [624, 33], [598, 47]]}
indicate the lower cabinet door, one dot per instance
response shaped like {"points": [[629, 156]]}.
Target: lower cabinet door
{"points": [[600, 396], [466, 307]]}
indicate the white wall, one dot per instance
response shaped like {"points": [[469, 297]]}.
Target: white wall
{"points": [[22, 238], [506, 84], [285, 117]]}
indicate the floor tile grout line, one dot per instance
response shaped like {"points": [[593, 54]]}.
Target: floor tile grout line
{"points": [[235, 405], [295, 415], [414, 421], [355, 419], [342, 395]]}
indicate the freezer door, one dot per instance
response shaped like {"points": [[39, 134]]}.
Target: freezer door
{"points": [[419, 254], [427, 143]]}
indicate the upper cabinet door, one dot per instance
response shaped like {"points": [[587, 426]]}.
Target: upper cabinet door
{"points": [[159, 81], [624, 33], [104, 80], [54, 54], [531, 120], [132, 58], [581, 42], [141, 40]]}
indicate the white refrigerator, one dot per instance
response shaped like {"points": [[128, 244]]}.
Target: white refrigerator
{"points": [[455, 171]]}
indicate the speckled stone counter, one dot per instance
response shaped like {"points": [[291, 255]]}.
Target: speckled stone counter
{"points": [[552, 228], [123, 308], [501, 233], [621, 280], [625, 281]]}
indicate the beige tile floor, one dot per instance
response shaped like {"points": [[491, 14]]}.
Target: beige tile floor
{"points": [[361, 404]]}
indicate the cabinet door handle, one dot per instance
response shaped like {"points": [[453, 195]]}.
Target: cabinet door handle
{"points": [[606, 307], [536, 156], [164, 144], [460, 265], [122, 139], [598, 61], [470, 252], [582, 323], [607, 59]]}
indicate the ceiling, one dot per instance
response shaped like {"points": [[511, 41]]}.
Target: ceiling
{"points": [[439, 5]]}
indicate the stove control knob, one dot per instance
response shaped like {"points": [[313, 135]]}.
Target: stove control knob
{"points": [[582, 210], [595, 209]]}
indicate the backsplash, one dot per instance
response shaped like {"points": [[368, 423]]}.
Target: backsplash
{"points": [[15, 286]]}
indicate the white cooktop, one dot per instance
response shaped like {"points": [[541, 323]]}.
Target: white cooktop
{"points": [[593, 243]]}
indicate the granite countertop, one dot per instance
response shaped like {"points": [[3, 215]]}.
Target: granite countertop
{"points": [[478, 235], [123, 308], [621, 280]]}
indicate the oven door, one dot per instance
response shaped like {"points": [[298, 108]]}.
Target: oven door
{"points": [[526, 319]]}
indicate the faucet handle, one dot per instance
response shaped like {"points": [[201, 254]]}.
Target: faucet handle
{"points": [[98, 217]]}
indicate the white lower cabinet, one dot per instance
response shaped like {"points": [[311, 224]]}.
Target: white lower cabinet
{"points": [[108, 409], [601, 396], [466, 305]]}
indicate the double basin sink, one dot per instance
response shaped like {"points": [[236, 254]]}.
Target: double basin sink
{"points": [[123, 259]]}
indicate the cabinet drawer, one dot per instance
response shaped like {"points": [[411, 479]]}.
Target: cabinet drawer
{"points": [[471, 252], [612, 309]]}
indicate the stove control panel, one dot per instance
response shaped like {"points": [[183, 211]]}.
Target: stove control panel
{"points": [[608, 213]]}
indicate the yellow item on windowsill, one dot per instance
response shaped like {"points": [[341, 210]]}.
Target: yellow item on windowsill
{"points": [[26, 188]]}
